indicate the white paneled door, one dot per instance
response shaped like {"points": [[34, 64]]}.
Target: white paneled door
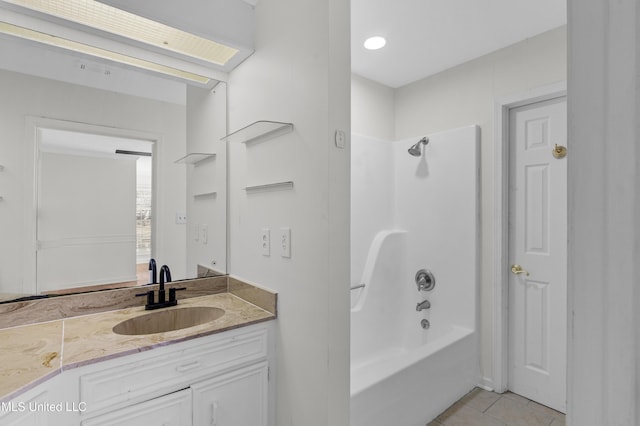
{"points": [[538, 252], [86, 222]]}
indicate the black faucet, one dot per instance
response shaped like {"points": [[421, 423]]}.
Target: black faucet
{"points": [[153, 278], [165, 277]]}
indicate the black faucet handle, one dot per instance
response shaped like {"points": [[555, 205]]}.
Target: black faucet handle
{"points": [[149, 295], [172, 293]]}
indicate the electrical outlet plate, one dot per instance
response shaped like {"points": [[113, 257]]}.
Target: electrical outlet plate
{"points": [[265, 242], [181, 218]]}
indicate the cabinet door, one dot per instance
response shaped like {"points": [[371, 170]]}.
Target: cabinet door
{"points": [[26, 418], [238, 398], [52, 403], [25, 411], [168, 410]]}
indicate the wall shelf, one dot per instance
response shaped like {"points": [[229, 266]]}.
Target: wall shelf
{"points": [[194, 157], [259, 130], [270, 186]]}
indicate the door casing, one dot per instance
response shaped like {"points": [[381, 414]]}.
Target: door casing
{"points": [[32, 126], [499, 383]]}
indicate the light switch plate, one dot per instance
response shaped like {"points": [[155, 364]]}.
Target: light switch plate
{"points": [[204, 230], [284, 241], [340, 138]]}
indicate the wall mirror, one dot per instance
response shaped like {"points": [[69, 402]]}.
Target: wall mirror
{"points": [[104, 167]]}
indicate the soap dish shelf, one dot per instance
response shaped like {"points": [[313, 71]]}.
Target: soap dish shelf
{"points": [[194, 158], [270, 187], [201, 195], [259, 130]]}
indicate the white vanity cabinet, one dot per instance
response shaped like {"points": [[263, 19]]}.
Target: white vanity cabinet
{"points": [[168, 410], [219, 380], [237, 398]]}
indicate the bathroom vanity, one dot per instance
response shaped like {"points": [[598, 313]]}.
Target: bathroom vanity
{"points": [[78, 371]]}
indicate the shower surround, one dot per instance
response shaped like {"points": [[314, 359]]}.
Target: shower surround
{"points": [[408, 213]]}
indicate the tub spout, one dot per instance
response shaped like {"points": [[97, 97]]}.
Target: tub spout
{"points": [[423, 305]]}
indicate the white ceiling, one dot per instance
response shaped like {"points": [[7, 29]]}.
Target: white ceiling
{"points": [[425, 37], [225, 21]]}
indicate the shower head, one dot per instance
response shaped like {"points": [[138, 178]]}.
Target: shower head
{"points": [[415, 150]]}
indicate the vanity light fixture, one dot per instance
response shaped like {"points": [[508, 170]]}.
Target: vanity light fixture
{"points": [[74, 46], [375, 43], [116, 21]]}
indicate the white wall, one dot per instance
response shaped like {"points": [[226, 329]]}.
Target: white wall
{"points": [[24, 96], [604, 213], [207, 213], [466, 95], [299, 73], [372, 109], [372, 171]]}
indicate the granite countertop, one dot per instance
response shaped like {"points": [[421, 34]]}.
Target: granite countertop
{"points": [[33, 353]]}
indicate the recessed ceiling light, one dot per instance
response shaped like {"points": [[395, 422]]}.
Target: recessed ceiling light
{"points": [[374, 43], [110, 19]]}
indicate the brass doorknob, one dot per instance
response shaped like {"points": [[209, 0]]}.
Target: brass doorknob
{"points": [[517, 270], [559, 151]]}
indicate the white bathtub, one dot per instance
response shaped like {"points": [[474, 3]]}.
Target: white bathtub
{"points": [[410, 213], [402, 374]]}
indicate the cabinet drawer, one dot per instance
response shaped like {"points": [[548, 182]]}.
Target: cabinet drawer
{"points": [[149, 374], [169, 410]]}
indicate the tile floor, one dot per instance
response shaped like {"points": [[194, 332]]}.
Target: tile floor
{"points": [[483, 408]]}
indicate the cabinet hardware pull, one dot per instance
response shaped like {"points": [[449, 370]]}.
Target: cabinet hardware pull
{"points": [[187, 367]]}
